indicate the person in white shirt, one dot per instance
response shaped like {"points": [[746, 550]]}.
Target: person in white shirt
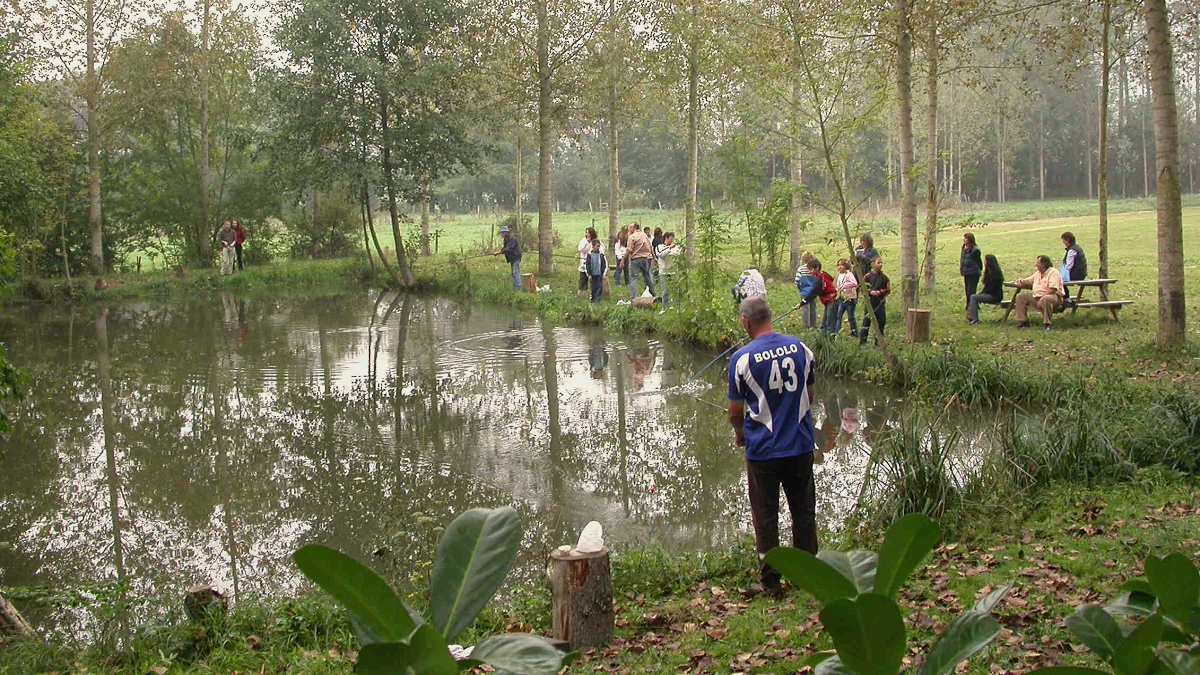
{"points": [[666, 252]]}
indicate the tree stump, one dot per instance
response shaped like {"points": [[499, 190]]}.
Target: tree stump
{"points": [[917, 325], [202, 602], [529, 283], [581, 598], [11, 621]]}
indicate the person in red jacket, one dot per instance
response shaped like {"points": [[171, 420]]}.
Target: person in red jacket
{"points": [[237, 244]]}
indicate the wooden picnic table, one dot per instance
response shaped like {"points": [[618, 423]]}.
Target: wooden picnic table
{"points": [[1074, 303]]}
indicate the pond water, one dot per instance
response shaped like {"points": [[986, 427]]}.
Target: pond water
{"points": [[204, 441]]}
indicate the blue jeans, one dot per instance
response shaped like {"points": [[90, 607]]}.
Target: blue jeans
{"points": [[597, 288], [977, 300], [662, 282], [847, 307], [641, 268], [829, 318], [516, 274]]}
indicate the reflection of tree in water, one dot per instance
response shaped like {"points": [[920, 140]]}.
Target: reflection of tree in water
{"points": [[642, 362]]}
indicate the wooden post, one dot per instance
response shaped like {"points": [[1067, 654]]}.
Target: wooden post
{"points": [[581, 598], [11, 621], [917, 325], [529, 283]]}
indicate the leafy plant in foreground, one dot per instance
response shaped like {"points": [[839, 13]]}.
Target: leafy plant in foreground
{"points": [[472, 558], [858, 592], [1169, 602]]}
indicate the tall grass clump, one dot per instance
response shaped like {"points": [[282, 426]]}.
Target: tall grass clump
{"points": [[915, 469], [978, 379]]}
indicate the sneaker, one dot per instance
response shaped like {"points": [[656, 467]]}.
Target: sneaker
{"points": [[1023, 324], [973, 322], [1048, 328]]}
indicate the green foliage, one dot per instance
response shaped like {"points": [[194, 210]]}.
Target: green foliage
{"points": [[712, 236], [858, 592], [1167, 639], [331, 232], [773, 224], [12, 385], [473, 556], [912, 471]]}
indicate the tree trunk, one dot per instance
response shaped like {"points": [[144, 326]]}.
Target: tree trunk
{"points": [[1171, 324], [908, 193], [518, 178], [545, 143], [425, 238], [203, 224], [11, 621], [933, 52], [92, 96], [1145, 157], [1041, 155], [389, 173], [614, 167], [693, 145], [797, 177], [1102, 161]]}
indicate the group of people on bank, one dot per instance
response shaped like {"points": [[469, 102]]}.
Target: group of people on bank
{"points": [[232, 237], [1046, 290]]}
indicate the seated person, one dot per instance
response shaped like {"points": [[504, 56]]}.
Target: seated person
{"points": [[1047, 293], [993, 289], [749, 284]]}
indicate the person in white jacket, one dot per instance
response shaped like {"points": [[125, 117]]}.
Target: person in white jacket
{"points": [[666, 252]]}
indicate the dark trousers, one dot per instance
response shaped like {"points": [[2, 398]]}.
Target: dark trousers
{"points": [[597, 288], [971, 285], [240, 266], [879, 313], [795, 476]]}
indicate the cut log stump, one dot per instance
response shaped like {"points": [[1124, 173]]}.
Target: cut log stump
{"points": [[918, 325], [529, 283], [11, 621], [581, 598]]}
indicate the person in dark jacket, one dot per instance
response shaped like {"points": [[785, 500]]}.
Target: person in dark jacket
{"points": [[993, 289], [512, 253], [596, 266], [970, 266], [1074, 261]]}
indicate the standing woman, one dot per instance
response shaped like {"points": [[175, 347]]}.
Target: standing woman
{"points": [[619, 250], [970, 266], [584, 248]]}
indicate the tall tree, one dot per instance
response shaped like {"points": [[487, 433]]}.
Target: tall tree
{"points": [[902, 19], [66, 37], [1171, 314]]}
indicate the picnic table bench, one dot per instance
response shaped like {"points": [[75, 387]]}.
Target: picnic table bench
{"points": [[1077, 302]]}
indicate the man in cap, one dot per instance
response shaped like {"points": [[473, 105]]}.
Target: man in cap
{"points": [[512, 253]]}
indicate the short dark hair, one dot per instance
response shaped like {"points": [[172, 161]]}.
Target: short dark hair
{"points": [[1045, 260], [1069, 237], [814, 264], [755, 310], [668, 235]]}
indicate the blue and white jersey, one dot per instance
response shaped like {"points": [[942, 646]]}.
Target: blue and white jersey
{"points": [[772, 375]]}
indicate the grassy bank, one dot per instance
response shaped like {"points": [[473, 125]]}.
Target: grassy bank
{"points": [[690, 613]]}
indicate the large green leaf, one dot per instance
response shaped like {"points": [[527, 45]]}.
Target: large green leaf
{"points": [[1176, 584], [519, 653], [1178, 662], [857, 566], [1096, 628], [425, 654], [832, 666], [1135, 655], [473, 556], [989, 601], [812, 574], [1133, 603], [868, 633], [967, 633], [377, 613], [906, 544]]}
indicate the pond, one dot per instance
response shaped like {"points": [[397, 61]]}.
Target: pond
{"points": [[204, 441]]}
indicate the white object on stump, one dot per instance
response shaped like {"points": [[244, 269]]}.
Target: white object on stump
{"points": [[591, 539], [581, 597], [918, 325]]}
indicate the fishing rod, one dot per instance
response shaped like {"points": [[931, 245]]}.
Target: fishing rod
{"points": [[739, 343]]}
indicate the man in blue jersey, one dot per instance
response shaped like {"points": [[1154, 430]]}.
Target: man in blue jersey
{"points": [[770, 401]]}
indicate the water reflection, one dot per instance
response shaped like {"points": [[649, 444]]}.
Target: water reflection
{"points": [[204, 442]]}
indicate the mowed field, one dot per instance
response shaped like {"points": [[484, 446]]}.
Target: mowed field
{"points": [[1012, 232]]}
